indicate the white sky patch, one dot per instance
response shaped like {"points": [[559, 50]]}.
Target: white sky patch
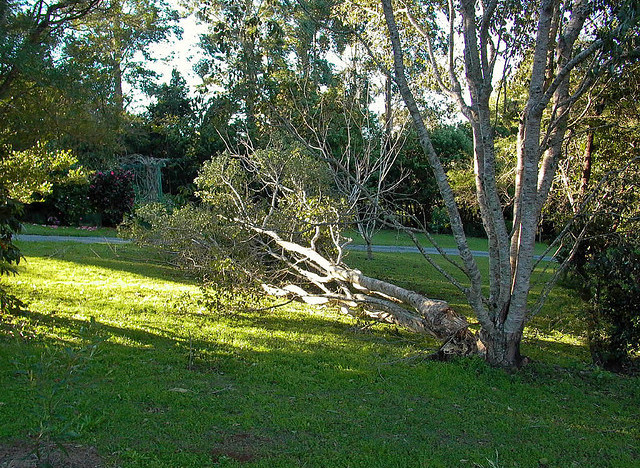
{"points": [[180, 54]]}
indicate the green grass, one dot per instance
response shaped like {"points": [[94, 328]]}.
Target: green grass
{"points": [[118, 347], [391, 237], [41, 230]]}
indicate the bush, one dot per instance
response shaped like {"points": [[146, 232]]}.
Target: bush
{"points": [[112, 195], [67, 203], [606, 271], [613, 280], [10, 255]]}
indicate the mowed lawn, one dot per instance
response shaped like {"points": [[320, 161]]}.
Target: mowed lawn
{"points": [[116, 352]]}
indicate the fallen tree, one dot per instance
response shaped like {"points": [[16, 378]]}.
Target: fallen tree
{"points": [[270, 219]]}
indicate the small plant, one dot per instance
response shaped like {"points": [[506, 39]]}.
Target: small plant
{"points": [[495, 463], [112, 195], [224, 298]]}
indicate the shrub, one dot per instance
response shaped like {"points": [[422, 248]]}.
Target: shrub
{"points": [[606, 272], [613, 281], [112, 195], [10, 255], [67, 203]]}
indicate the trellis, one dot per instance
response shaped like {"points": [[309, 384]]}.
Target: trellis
{"points": [[148, 176]]}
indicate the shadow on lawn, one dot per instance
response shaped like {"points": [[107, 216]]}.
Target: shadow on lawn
{"points": [[229, 399], [150, 264], [123, 258], [312, 337]]}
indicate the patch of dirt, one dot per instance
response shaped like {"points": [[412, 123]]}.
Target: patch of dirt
{"points": [[242, 447], [21, 454]]}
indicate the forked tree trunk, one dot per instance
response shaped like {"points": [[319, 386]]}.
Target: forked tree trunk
{"points": [[504, 313], [502, 349]]}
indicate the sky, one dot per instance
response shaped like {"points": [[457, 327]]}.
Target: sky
{"points": [[181, 54]]}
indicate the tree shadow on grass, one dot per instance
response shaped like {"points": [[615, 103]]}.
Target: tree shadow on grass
{"points": [[126, 258], [267, 398]]}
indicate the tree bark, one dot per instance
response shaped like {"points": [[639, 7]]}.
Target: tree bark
{"points": [[503, 350], [587, 158]]}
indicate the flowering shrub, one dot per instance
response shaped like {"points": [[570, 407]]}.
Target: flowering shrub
{"points": [[112, 195]]}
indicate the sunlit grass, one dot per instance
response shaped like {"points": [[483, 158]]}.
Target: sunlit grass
{"points": [[171, 384]]}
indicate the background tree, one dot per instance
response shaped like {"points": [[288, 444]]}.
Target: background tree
{"points": [[266, 55], [35, 86], [113, 43]]}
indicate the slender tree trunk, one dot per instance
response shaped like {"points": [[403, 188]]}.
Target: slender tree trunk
{"points": [[118, 95], [388, 112], [587, 159], [504, 313], [369, 249], [474, 292], [116, 50]]}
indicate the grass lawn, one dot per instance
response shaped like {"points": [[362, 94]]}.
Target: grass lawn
{"points": [[392, 237], [41, 230], [117, 353]]}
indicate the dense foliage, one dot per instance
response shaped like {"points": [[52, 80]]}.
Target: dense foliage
{"points": [[612, 284], [605, 267], [112, 195]]}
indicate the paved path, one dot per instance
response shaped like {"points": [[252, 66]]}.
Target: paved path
{"points": [[360, 248], [79, 239]]}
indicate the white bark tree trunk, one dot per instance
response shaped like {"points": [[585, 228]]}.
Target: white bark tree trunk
{"points": [[504, 313]]}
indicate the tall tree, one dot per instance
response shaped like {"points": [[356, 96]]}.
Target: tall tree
{"points": [[259, 53], [34, 82], [464, 53], [113, 43], [29, 32]]}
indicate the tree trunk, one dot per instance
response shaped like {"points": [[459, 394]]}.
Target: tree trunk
{"points": [[116, 45], [369, 249], [118, 95], [376, 299], [586, 166], [503, 349]]}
